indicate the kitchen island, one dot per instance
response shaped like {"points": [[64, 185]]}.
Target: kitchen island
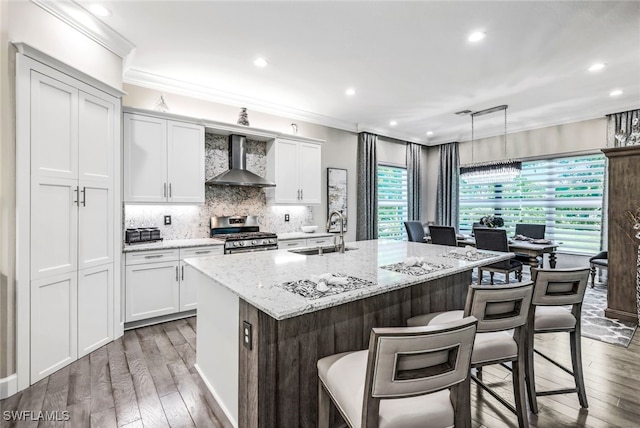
{"points": [[259, 337]]}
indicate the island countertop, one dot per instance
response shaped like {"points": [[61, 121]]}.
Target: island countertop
{"points": [[257, 277]]}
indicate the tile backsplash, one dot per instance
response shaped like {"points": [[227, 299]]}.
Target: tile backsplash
{"points": [[192, 221]]}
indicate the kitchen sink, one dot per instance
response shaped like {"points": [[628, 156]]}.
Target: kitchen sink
{"points": [[316, 251]]}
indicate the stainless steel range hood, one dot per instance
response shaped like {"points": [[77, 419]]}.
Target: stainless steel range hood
{"points": [[238, 175]]}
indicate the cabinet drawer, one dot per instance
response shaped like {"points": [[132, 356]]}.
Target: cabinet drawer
{"points": [[153, 256], [325, 240], [211, 250], [292, 243]]}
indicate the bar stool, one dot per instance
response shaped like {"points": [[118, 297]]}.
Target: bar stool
{"points": [[409, 377], [502, 312], [553, 289]]}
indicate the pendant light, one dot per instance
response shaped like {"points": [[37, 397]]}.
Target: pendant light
{"points": [[490, 172]]}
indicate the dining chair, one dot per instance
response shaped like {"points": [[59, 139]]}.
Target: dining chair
{"points": [[554, 290], [409, 377], [496, 240], [535, 231], [443, 235], [477, 226], [600, 261], [415, 231], [502, 313]]}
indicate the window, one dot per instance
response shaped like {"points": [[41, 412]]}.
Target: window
{"points": [[565, 194], [392, 202]]}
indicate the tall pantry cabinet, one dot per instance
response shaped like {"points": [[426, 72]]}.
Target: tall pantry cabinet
{"points": [[73, 132]]}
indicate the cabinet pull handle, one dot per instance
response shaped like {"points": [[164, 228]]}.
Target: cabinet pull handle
{"points": [[155, 256], [301, 194], [319, 242], [182, 273], [84, 196], [77, 192], [177, 274], [169, 189], [203, 252], [165, 190]]}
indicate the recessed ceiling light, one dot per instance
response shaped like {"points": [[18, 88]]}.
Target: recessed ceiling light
{"points": [[429, 132], [350, 91], [260, 62], [477, 36], [597, 66], [615, 93], [99, 10], [393, 123]]}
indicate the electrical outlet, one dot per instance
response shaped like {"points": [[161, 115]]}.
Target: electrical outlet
{"points": [[167, 220], [286, 217], [247, 336]]}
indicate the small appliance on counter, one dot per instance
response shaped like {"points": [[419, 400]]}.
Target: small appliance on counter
{"points": [[142, 234], [241, 234]]}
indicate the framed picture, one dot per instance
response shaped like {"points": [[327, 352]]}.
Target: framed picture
{"points": [[337, 196]]}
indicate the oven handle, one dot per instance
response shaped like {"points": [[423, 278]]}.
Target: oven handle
{"points": [[248, 250]]}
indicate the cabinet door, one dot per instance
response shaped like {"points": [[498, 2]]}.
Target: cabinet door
{"points": [[153, 289], [96, 138], [185, 148], [54, 309], [95, 225], [145, 159], [54, 226], [95, 308], [310, 167], [54, 128], [286, 172], [188, 288]]}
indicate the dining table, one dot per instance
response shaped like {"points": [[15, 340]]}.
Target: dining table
{"points": [[532, 249]]}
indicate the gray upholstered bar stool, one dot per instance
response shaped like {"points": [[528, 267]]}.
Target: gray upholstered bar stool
{"points": [[554, 290], [409, 377], [502, 312]]}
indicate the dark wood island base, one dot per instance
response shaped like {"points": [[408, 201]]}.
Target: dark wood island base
{"points": [[278, 381]]}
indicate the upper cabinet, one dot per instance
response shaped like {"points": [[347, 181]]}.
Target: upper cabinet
{"points": [[163, 160], [296, 167]]}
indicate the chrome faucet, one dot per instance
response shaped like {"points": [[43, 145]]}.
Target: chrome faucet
{"points": [[340, 244]]}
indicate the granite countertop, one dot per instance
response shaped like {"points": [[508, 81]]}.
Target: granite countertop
{"points": [[169, 244], [261, 285], [302, 235]]}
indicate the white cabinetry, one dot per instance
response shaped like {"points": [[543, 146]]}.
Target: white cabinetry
{"points": [[309, 242], [161, 283], [73, 131], [163, 160], [295, 166]]}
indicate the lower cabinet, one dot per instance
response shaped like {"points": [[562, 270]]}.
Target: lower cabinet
{"points": [[71, 315], [159, 282], [309, 242]]}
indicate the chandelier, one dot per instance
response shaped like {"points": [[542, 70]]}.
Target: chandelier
{"points": [[490, 172]]}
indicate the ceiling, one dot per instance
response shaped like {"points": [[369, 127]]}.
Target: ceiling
{"points": [[408, 61]]}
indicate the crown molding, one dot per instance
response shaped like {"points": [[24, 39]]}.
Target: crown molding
{"points": [[166, 84], [79, 18]]}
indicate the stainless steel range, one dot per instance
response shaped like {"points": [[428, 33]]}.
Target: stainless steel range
{"points": [[241, 234]]}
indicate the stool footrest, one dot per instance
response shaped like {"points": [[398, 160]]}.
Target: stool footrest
{"points": [[556, 392], [553, 362], [494, 395]]}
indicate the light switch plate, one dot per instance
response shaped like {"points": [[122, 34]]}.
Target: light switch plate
{"points": [[167, 220], [247, 336]]}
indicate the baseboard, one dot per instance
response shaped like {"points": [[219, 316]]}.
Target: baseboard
{"points": [[621, 315], [224, 408], [160, 319], [8, 386]]}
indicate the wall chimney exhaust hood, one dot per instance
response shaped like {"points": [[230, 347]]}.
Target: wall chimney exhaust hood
{"points": [[237, 174]]}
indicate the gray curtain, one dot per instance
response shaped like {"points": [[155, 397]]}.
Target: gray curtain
{"points": [[367, 217], [414, 155], [448, 199], [617, 123]]}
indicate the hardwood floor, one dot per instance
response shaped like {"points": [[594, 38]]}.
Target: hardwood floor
{"points": [[147, 379]]}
